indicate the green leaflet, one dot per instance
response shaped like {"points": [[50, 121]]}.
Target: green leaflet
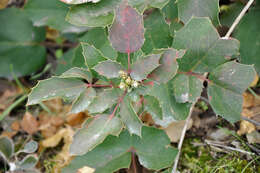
{"points": [[205, 50], [114, 153], [228, 82]]}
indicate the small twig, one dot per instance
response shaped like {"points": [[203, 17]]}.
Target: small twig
{"points": [[228, 148], [174, 170], [239, 17]]}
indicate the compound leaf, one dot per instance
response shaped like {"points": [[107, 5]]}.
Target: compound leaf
{"points": [[93, 132], [228, 82], [127, 32]]}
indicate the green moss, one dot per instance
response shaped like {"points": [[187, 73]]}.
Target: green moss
{"points": [[199, 159]]}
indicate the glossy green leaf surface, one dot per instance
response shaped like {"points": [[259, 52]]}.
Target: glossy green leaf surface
{"points": [[157, 32], [93, 15], [228, 82], [94, 132], [168, 66], [91, 55], [141, 5], [205, 50], [152, 106], [114, 153], [104, 100], [171, 109], [129, 117], [142, 67], [55, 87], [83, 101], [76, 72], [109, 69], [248, 34], [186, 88], [48, 12], [18, 46], [198, 8], [99, 40]]}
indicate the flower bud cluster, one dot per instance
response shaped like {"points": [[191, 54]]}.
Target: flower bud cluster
{"points": [[127, 83]]}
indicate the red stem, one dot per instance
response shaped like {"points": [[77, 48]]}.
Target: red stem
{"points": [[96, 85], [129, 63], [196, 75], [118, 103]]}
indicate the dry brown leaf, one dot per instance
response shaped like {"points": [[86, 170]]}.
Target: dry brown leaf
{"points": [[248, 100], [86, 169], [55, 139], [246, 127], [15, 126], [3, 3], [174, 130], [29, 123], [254, 81], [8, 134], [52, 34], [64, 158], [76, 119]]}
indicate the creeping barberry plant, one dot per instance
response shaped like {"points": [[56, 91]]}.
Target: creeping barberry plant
{"points": [[144, 57]]}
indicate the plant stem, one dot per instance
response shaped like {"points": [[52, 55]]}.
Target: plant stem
{"points": [[12, 106], [254, 94], [129, 63], [202, 77], [239, 17], [118, 103], [94, 85], [174, 169]]}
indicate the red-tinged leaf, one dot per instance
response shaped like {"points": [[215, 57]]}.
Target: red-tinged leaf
{"points": [[169, 66], [141, 68], [127, 31]]}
